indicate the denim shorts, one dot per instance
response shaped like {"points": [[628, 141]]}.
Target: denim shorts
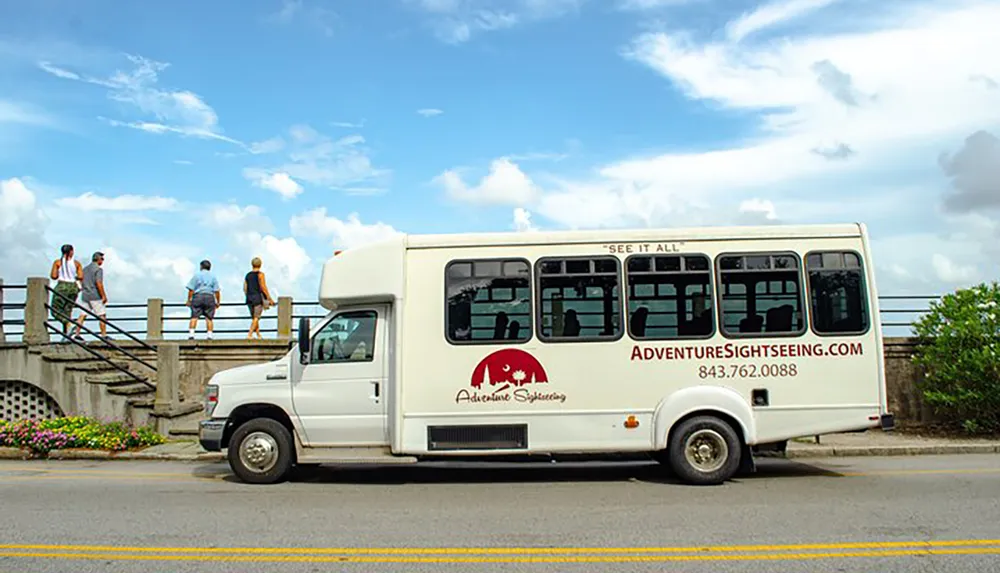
{"points": [[203, 304]]}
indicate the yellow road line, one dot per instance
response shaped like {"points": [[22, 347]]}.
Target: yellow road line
{"points": [[511, 559], [882, 545]]}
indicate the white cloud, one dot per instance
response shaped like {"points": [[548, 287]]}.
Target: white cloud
{"points": [[160, 128], [182, 112], [315, 158], [343, 233], [22, 232], [90, 201], [456, 21], [772, 14], [538, 156], [835, 109], [16, 199], [504, 184], [279, 182], [522, 220], [921, 262], [429, 112], [348, 124], [950, 272], [639, 5], [760, 207], [132, 276], [183, 162], [312, 13], [975, 173], [59, 72], [19, 113], [232, 217], [780, 78], [285, 262], [137, 266], [272, 145]]}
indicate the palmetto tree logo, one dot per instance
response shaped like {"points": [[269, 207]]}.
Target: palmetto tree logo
{"points": [[508, 367]]}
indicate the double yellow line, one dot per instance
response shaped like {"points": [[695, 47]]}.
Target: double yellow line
{"points": [[813, 551]]}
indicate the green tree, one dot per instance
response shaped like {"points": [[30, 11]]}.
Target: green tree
{"points": [[959, 343]]}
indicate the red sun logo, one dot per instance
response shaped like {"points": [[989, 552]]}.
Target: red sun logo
{"points": [[508, 367]]}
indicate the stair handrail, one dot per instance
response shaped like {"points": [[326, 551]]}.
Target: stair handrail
{"points": [[104, 358], [105, 340], [99, 319]]}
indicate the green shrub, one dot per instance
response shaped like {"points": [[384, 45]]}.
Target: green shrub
{"points": [[42, 436], [959, 351]]}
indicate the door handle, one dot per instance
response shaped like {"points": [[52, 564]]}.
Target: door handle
{"points": [[376, 384]]}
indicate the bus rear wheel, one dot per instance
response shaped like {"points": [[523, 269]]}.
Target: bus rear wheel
{"points": [[704, 450]]}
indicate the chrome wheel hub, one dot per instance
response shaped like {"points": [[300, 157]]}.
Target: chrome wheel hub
{"points": [[259, 452], [706, 450]]}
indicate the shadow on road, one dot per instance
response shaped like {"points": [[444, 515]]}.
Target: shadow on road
{"points": [[502, 472]]}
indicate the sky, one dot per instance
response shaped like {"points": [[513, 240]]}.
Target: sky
{"points": [[170, 132]]}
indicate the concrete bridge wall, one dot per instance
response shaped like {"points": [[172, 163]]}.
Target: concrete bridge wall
{"points": [[199, 360]]}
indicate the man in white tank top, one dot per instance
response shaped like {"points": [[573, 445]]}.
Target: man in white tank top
{"points": [[68, 273]]}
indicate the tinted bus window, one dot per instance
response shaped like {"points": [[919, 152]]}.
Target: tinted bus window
{"points": [[579, 298], [837, 293], [760, 293], [669, 296], [489, 301]]}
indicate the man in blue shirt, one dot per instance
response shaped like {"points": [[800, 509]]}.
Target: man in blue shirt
{"points": [[204, 297]]}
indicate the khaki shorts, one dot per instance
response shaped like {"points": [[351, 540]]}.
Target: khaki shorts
{"points": [[95, 306]]}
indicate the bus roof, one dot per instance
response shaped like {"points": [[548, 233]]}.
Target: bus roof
{"points": [[629, 235]]}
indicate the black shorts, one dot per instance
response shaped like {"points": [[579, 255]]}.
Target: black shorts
{"points": [[203, 304]]}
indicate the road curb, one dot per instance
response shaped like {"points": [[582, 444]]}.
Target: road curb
{"points": [[101, 455], [863, 451], [810, 452]]}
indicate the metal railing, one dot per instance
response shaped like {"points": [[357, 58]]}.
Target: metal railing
{"points": [[10, 310], [107, 343], [889, 300], [898, 313]]}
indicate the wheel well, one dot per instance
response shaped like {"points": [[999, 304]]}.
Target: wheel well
{"points": [[247, 412], [733, 423]]}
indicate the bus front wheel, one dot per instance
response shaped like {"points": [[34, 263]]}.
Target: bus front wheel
{"points": [[704, 450], [261, 451]]}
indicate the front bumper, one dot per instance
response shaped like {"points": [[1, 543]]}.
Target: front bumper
{"points": [[210, 434]]}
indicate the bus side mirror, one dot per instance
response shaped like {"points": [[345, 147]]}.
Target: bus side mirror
{"points": [[304, 340]]}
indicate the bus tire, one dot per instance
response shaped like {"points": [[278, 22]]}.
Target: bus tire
{"points": [[261, 451], [704, 450]]}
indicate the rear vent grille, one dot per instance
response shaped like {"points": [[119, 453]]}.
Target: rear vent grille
{"points": [[494, 437]]}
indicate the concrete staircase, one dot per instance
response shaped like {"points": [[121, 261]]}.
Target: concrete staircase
{"points": [[113, 393]]}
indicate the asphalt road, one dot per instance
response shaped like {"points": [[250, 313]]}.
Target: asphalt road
{"points": [[934, 513]]}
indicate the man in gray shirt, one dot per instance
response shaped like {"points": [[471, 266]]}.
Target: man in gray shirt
{"points": [[92, 295]]}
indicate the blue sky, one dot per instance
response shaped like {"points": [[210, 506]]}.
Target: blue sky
{"points": [[164, 133]]}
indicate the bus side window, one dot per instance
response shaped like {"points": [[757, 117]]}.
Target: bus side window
{"points": [[488, 301], [579, 298], [669, 296], [761, 294], [837, 293]]}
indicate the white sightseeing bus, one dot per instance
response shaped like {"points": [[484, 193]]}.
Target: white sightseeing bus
{"points": [[696, 346]]}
